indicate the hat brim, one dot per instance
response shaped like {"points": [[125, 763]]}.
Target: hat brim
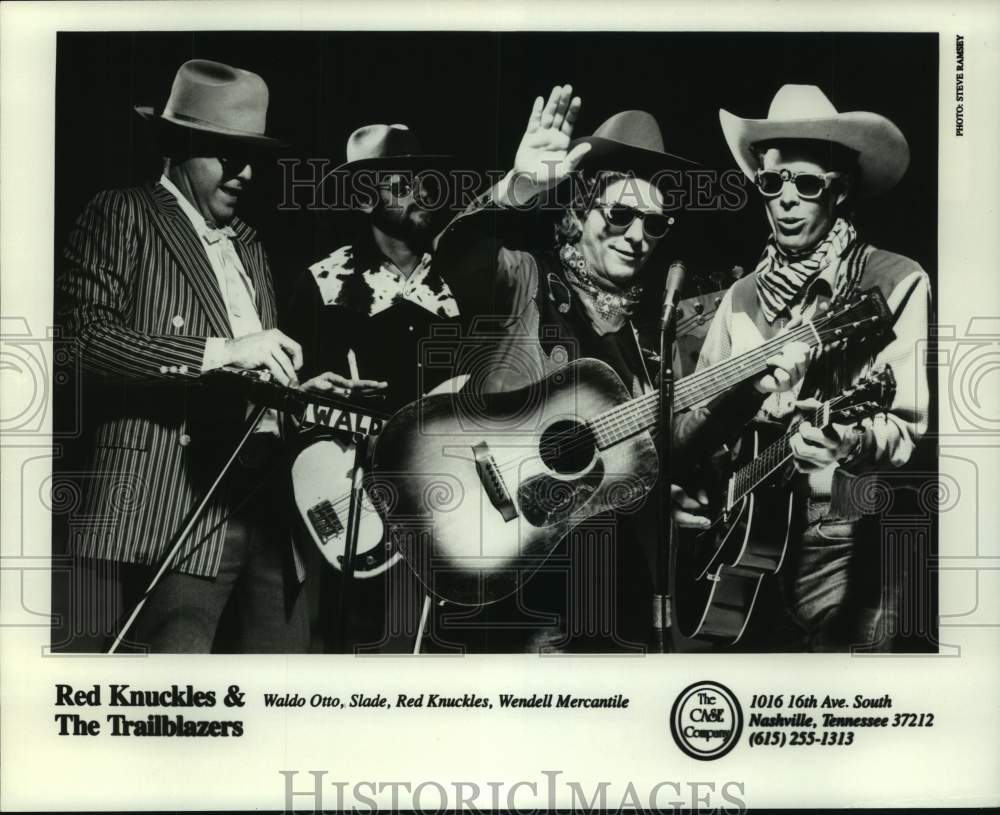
{"points": [[883, 153], [388, 163], [254, 139], [610, 154]]}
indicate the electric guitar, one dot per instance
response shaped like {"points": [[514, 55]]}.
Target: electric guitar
{"points": [[322, 480], [719, 570], [323, 464], [478, 489], [322, 475]]}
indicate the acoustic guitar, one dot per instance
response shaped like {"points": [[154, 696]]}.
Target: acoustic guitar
{"points": [[478, 489], [718, 571]]}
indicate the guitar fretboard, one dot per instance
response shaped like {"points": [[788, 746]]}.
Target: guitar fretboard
{"points": [[633, 417], [630, 418], [753, 474]]}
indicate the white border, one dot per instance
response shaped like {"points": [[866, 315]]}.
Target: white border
{"points": [[953, 764]]}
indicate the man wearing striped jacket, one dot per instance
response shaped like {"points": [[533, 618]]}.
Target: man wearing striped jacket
{"points": [[160, 285]]}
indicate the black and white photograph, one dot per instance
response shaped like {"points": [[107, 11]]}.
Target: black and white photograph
{"points": [[485, 303], [501, 382]]}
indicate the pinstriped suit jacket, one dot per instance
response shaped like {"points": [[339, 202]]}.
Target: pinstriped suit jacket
{"points": [[139, 296]]}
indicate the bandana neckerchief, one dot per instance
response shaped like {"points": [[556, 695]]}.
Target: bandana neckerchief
{"points": [[607, 309], [780, 277]]}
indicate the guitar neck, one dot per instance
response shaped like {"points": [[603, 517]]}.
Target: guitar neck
{"points": [[640, 414], [751, 475]]}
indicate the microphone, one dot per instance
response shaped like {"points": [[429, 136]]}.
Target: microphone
{"points": [[661, 589], [672, 291]]}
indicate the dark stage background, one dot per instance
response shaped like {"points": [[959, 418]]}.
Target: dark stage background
{"points": [[469, 94]]}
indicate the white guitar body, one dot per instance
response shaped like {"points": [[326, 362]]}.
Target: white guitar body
{"points": [[321, 483]]}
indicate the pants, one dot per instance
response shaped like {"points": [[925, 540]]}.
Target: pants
{"points": [[829, 595], [256, 587]]}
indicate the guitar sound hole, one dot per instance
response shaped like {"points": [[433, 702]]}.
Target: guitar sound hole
{"points": [[567, 447]]}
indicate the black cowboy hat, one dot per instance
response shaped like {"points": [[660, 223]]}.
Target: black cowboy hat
{"points": [[630, 141]]}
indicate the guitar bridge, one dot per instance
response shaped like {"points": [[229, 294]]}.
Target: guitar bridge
{"points": [[492, 481], [325, 521]]}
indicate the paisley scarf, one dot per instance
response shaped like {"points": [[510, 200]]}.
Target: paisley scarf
{"points": [[607, 307]]}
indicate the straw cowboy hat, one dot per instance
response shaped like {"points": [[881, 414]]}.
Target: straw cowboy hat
{"points": [[804, 112], [387, 147], [214, 98], [631, 141]]}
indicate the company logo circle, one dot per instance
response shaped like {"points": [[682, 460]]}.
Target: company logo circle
{"points": [[706, 720]]}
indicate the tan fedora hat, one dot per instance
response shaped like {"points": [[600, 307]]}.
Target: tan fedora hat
{"points": [[804, 112], [630, 140], [387, 147], [214, 98]]}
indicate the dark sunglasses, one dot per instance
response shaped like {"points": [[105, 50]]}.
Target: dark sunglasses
{"points": [[807, 185], [621, 216], [233, 162], [422, 187]]}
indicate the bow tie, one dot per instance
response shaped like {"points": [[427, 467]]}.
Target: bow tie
{"points": [[215, 235]]}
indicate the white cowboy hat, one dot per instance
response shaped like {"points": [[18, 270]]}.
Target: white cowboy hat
{"points": [[804, 112]]}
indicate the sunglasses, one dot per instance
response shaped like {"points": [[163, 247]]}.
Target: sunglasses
{"points": [[422, 187], [233, 162], [808, 185], [621, 216]]}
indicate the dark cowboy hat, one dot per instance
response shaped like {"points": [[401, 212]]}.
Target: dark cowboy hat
{"points": [[630, 141], [388, 147], [219, 100]]}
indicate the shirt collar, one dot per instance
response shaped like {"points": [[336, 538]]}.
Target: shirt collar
{"points": [[420, 271], [197, 220]]}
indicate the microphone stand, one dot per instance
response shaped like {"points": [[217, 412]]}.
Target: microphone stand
{"points": [[251, 424], [361, 448], [665, 526], [258, 388]]}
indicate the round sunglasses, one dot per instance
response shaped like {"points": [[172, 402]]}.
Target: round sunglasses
{"points": [[808, 185], [423, 187], [621, 216]]}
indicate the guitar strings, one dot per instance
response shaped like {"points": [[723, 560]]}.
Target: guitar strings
{"points": [[634, 416], [777, 452]]}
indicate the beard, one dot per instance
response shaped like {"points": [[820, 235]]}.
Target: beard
{"points": [[413, 226]]}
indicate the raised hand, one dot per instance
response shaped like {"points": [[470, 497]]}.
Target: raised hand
{"points": [[543, 158]]}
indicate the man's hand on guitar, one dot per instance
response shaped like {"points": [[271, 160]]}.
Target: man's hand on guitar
{"points": [[270, 350], [337, 385], [684, 508], [816, 448], [788, 367], [543, 158]]}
